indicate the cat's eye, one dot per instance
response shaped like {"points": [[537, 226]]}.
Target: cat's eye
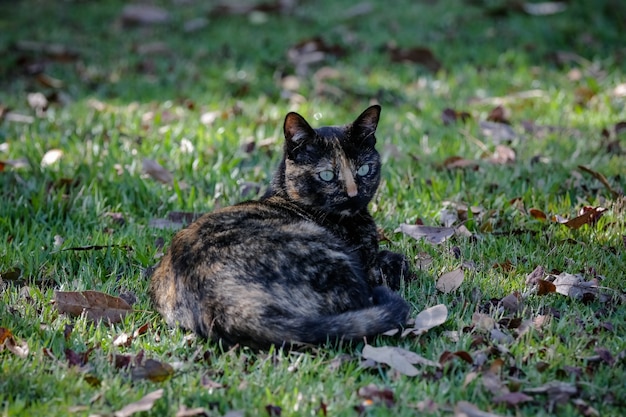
{"points": [[327, 175], [363, 170]]}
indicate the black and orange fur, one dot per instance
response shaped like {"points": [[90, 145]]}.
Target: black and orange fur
{"points": [[300, 265]]}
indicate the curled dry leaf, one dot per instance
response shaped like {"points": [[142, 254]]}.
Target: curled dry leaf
{"points": [[144, 404], [536, 274], [94, 304], [431, 234], [8, 341], [601, 178], [450, 281], [587, 215], [401, 360], [575, 287]]}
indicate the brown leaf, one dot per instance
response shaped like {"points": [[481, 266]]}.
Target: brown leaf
{"points": [[538, 214], [450, 116], [157, 172], [461, 354], [77, 358], [450, 281], [144, 404], [454, 162], [153, 370], [545, 287], [511, 302], [536, 274], [498, 115], [587, 215], [95, 305], [8, 341], [418, 55], [575, 287], [431, 234]]}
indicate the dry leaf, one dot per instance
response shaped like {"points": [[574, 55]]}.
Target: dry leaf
{"points": [[466, 409], [427, 319], [513, 398], [153, 370], [144, 404], [538, 214], [600, 178], [454, 162], [502, 155], [545, 287], [545, 8], [498, 132], [587, 215], [156, 171], [431, 234], [536, 274], [144, 14], [401, 360], [450, 116], [450, 281], [418, 55], [50, 157], [190, 412], [372, 394], [575, 287], [96, 305]]}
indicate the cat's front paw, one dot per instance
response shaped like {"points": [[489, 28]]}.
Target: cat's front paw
{"points": [[393, 268]]}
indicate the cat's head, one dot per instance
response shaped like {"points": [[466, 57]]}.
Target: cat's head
{"points": [[332, 169]]}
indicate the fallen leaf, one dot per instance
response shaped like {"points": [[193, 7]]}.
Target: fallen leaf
{"points": [[587, 215], [498, 115], [497, 132], [427, 319], [466, 409], [575, 287], [401, 360], [373, 394], [190, 412], [600, 178], [77, 358], [418, 55], [144, 14], [431, 234], [538, 214], [545, 287], [545, 8], [455, 162], [153, 370], [511, 302], [502, 155], [512, 398], [95, 305], [50, 157], [144, 404], [450, 116], [447, 356], [536, 274], [157, 172], [9, 341], [450, 281]]}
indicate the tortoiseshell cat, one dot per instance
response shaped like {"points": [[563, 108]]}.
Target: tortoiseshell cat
{"points": [[300, 265]]}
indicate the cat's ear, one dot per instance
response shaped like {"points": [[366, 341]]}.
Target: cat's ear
{"points": [[365, 125], [296, 129]]}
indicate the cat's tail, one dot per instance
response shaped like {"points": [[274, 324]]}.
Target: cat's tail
{"points": [[390, 311]]}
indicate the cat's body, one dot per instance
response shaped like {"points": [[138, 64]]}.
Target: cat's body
{"points": [[301, 265]]}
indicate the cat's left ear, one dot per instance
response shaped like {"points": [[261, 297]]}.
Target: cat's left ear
{"points": [[365, 125]]}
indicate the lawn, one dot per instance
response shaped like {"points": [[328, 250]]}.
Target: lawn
{"points": [[503, 126]]}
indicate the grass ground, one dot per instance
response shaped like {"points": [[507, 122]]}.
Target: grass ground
{"points": [[204, 94]]}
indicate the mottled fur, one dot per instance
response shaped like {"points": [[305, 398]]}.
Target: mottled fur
{"points": [[300, 265]]}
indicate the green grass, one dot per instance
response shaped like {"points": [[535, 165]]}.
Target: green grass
{"points": [[117, 106]]}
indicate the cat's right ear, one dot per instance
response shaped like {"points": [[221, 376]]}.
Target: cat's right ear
{"points": [[296, 129]]}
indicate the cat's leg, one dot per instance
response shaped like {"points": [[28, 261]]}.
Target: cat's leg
{"points": [[392, 267]]}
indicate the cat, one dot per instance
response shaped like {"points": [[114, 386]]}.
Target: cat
{"points": [[301, 265]]}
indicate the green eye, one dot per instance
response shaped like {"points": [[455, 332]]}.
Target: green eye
{"points": [[363, 170], [327, 175]]}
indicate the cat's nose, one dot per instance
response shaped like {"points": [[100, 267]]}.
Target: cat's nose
{"points": [[351, 189]]}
